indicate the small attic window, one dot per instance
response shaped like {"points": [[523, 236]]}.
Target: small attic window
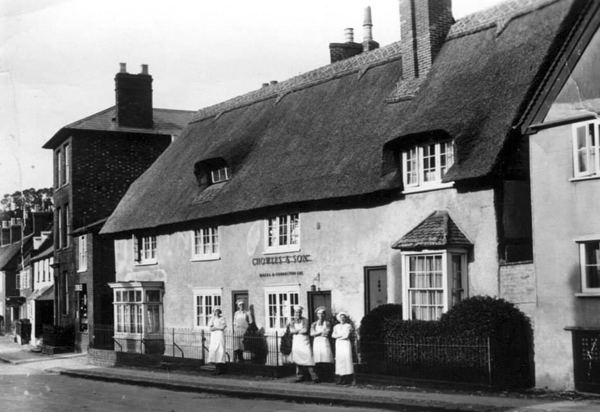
{"points": [[220, 174], [212, 171]]}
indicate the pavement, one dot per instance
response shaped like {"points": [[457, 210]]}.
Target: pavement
{"points": [[379, 397]]}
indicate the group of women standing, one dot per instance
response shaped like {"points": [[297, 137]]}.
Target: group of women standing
{"points": [[309, 360]]}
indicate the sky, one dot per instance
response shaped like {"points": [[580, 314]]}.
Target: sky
{"points": [[58, 58]]}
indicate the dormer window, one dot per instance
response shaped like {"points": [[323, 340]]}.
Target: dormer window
{"points": [[425, 166], [211, 172], [219, 174]]}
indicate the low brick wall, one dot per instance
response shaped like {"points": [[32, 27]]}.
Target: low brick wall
{"points": [[108, 358], [100, 357]]}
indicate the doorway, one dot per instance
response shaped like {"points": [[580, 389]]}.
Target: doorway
{"points": [[316, 299], [243, 295], [375, 287]]}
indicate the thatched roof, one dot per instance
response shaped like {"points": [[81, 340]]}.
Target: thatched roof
{"points": [[481, 81], [437, 231], [320, 136], [166, 122]]}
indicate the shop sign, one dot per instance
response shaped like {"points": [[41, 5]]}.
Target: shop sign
{"points": [[281, 260], [276, 274]]}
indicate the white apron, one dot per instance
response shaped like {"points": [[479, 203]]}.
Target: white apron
{"points": [[321, 347], [216, 348], [301, 350], [240, 321], [343, 350]]}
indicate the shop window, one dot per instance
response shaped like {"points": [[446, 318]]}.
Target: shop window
{"points": [[432, 283], [205, 300], [280, 302], [283, 233], [138, 308], [425, 166], [586, 156], [144, 249], [589, 257], [206, 243]]}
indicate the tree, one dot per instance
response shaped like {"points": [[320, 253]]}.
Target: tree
{"points": [[28, 199]]}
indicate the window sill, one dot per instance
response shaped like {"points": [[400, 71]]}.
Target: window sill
{"points": [[146, 263], [205, 258], [584, 178], [81, 270], [427, 188], [276, 251], [588, 295]]}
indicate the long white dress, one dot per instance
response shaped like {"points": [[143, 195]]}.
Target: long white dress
{"points": [[343, 349], [321, 346], [301, 350], [216, 349]]}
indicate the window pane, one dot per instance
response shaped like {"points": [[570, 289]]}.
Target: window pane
{"points": [[592, 264]]}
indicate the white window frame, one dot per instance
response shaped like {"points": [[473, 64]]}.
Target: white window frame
{"points": [[205, 299], [584, 265], [416, 176], [67, 163], [59, 166], [453, 286], [60, 217], [82, 253], [291, 233], [132, 315], [586, 146], [279, 306], [145, 249], [220, 174], [205, 243]]}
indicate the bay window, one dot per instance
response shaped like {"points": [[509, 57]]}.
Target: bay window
{"points": [[433, 281], [138, 308]]}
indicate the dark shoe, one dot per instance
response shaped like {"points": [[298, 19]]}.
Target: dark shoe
{"points": [[317, 381], [299, 380]]}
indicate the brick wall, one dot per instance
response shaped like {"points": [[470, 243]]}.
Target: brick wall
{"points": [[100, 357], [104, 165]]}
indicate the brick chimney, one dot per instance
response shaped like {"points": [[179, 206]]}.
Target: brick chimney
{"points": [[424, 25], [343, 51], [15, 230], [5, 233], [134, 98]]}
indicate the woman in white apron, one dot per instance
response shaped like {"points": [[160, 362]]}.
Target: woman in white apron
{"points": [[241, 321], [216, 349], [343, 350], [301, 350], [320, 331]]}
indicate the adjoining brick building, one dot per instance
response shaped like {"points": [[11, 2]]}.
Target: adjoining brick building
{"points": [[95, 161]]}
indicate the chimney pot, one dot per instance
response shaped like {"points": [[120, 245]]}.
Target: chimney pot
{"points": [[349, 35], [144, 69], [367, 26], [123, 68], [265, 85], [273, 82]]}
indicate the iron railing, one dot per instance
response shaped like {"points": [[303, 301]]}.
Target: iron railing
{"points": [[193, 344], [465, 360]]}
